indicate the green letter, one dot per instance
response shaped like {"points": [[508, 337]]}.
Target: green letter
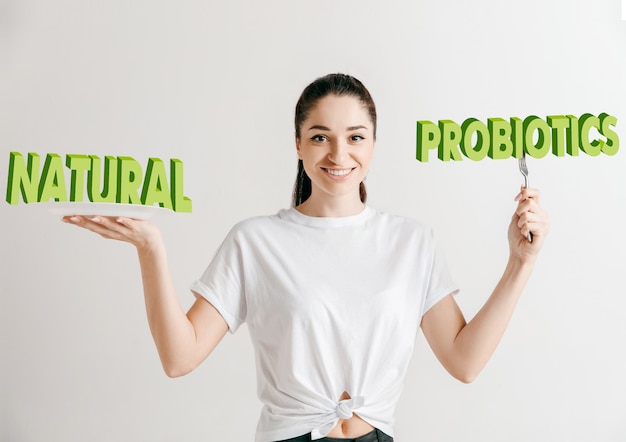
{"points": [[128, 180], [517, 136], [155, 187], [571, 134], [478, 151], [450, 139], [78, 164], [181, 202], [542, 147], [501, 146], [612, 140], [558, 123], [109, 184], [427, 138], [593, 148], [22, 177], [52, 184]]}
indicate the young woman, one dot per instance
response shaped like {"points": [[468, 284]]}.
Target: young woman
{"points": [[333, 291]]}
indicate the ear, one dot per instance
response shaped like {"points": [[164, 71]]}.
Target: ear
{"points": [[298, 146]]}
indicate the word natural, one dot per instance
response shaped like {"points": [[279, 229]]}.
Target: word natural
{"points": [[499, 139], [119, 182]]}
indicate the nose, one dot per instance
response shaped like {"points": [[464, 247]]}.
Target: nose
{"points": [[338, 152]]}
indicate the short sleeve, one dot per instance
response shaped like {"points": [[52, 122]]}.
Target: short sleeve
{"points": [[440, 282], [222, 283]]}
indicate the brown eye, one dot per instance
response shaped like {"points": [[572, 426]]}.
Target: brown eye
{"points": [[319, 138]]}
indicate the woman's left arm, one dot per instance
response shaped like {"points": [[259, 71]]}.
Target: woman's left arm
{"points": [[464, 348]]}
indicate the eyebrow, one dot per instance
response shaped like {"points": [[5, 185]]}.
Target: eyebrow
{"points": [[351, 128]]}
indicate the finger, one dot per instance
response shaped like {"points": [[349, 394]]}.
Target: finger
{"points": [[122, 227], [522, 225], [539, 217], [539, 226], [524, 206], [129, 223], [527, 206], [528, 193], [71, 219], [74, 219], [98, 225], [530, 205], [110, 223]]}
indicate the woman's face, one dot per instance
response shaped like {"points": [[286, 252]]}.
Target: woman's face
{"points": [[336, 145]]}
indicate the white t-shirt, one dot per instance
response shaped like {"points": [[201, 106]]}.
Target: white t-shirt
{"points": [[332, 305]]}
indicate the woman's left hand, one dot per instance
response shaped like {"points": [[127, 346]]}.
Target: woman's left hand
{"points": [[529, 216]]}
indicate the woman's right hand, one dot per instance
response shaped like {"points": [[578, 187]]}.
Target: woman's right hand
{"points": [[140, 233], [182, 340]]}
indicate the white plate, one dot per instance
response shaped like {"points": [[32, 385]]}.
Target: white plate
{"points": [[136, 211]]}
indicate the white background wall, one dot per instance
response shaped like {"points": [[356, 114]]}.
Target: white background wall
{"points": [[214, 84]]}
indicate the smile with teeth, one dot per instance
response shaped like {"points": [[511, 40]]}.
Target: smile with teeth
{"points": [[338, 172]]}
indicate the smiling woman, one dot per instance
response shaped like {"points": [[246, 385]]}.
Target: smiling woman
{"points": [[344, 100], [333, 291], [334, 150]]}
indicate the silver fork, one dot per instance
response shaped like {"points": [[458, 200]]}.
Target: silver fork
{"points": [[524, 169]]}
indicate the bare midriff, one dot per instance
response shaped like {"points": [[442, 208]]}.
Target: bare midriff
{"points": [[350, 428]]}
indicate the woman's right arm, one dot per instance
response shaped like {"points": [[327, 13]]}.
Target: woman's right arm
{"points": [[182, 340]]}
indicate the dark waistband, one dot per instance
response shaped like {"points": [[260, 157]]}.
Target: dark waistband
{"points": [[373, 436]]}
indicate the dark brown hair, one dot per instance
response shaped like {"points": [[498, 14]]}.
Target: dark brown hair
{"points": [[331, 84]]}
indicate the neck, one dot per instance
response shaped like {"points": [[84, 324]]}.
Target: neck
{"points": [[339, 206]]}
